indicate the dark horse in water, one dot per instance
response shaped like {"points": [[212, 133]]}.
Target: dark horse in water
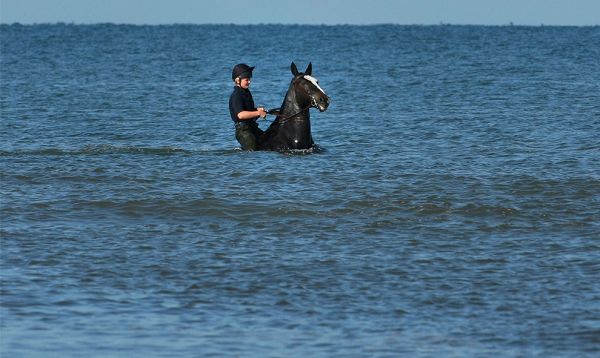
{"points": [[291, 128]]}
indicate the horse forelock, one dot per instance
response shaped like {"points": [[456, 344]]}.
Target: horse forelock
{"points": [[314, 82]]}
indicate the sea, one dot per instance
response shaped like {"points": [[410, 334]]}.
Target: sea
{"points": [[451, 207]]}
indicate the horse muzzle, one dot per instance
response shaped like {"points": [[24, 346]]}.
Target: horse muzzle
{"points": [[321, 103]]}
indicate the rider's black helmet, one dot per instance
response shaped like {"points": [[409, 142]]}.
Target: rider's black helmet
{"points": [[241, 70]]}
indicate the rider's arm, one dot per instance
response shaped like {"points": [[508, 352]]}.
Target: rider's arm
{"points": [[249, 115]]}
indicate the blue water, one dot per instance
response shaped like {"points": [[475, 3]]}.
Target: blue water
{"points": [[453, 209]]}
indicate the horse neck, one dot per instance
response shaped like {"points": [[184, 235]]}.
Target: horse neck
{"points": [[294, 103]]}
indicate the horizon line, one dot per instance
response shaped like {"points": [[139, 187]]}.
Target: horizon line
{"points": [[441, 23]]}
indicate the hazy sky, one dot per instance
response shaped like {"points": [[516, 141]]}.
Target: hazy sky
{"points": [[490, 12]]}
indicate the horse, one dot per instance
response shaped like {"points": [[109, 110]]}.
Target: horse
{"points": [[291, 128]]}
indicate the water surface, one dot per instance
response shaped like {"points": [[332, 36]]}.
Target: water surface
{"points": [[453, 209]]}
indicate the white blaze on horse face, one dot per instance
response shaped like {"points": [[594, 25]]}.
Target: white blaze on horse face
{"points": [[314, 82]]}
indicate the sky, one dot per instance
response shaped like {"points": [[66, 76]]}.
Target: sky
{"points": [[329, 12]]}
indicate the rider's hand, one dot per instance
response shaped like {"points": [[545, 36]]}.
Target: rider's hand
{"points": [[261, 112]]}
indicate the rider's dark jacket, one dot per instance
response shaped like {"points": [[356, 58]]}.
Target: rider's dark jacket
{"points": [[240, 100]]}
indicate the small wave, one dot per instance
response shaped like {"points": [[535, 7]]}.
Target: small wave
{"points": [[487, 210], [167, 207], [471, 209], [315, 149], [97, 150]]}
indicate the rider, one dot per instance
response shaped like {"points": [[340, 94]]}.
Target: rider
{"points": [[242, 109]]}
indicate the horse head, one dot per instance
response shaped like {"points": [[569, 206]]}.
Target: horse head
{"points": [[310, 91]]}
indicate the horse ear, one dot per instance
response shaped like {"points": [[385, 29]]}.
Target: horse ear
{"points": [[309, 69], [294, 69]]}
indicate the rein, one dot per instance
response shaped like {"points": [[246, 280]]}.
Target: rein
{"points": [[286, 118]]}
